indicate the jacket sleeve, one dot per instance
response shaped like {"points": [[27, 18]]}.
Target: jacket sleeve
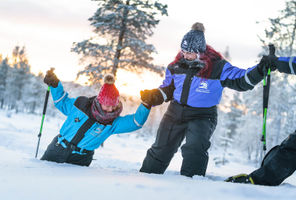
{"points": [[167, 88], [286, 65], [61, 99], [132, 122], [239, 79]]}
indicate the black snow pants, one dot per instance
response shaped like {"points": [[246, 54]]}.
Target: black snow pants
{"points": [[278, 164], [57, 153], [196, 125]]}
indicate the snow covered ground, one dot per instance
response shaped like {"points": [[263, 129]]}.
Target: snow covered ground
{"points": [[114, 172]]}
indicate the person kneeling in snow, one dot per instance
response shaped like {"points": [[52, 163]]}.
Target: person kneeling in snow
{"points": [[280, 162], [193, 84], [90, 121]]}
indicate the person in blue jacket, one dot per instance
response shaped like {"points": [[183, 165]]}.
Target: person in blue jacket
{"points": [[193, 84], [280, 162], [90, 121]]}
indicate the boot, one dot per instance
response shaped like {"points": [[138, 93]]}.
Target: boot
{"points": [[240, 178]]}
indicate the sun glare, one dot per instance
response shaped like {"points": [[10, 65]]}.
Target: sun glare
{"points": [[131, 83], [82, 80]]}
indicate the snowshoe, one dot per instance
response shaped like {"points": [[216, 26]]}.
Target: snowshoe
{"points": [[240, 178]]}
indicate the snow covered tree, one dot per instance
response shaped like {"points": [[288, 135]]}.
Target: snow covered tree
{"points": [[17, 76], [4, 66], [231, 124], [121, 28], [250, 129], [280, 108], [282, 30], [33, 95]]}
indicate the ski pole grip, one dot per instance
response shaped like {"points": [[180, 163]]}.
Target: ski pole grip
{"points": [[271, 49], [46, 101]]}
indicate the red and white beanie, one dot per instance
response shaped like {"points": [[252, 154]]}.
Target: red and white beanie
{"points": [[108, 94]]}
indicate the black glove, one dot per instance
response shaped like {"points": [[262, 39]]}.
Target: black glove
{"points": [[152, 97], [51, 79], [267, 62]]}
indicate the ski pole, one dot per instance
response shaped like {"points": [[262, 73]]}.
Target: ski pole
{"points": [[43, 116], [266, 88]]}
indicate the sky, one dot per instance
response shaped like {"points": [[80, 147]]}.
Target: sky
{"points": [[48, 29]]}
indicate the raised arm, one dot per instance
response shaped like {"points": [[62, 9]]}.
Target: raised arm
{"points": [[61, 99], [59, 96], [240, 79]]}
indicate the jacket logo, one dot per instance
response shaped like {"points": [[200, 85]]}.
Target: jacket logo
{"points": [[96, 132], [203, 87], [185, 44]]}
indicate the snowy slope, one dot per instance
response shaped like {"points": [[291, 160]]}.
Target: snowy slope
{"points": [[114, 174]]}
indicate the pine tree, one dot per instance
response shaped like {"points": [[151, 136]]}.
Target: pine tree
{"points": [[18, 75], [4, 66], [33, 92], [250, 130], [121, 28], [282, 30], [231, 124]]}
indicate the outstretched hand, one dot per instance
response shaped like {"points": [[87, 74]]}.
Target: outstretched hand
{"points": [[152, 97], [267, 62], [51, 79]]}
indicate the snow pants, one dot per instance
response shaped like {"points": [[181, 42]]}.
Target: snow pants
{"points": [[278, 164], [57, 153], [196, 125]]}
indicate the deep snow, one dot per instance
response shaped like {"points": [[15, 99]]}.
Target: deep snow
{"points": [[114, 172]]}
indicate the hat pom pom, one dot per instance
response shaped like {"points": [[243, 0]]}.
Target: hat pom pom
{"points": [[198, 27], [109, 79]]}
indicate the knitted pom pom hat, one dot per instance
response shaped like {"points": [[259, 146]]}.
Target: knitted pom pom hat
{"points": [[108, 94], [194, 41]]}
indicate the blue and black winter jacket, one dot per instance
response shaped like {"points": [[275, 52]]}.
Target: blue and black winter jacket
{"points": [[78, 112], [183, 85]]}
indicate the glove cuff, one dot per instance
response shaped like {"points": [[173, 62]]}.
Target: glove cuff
{"points": [[164, 96], [146, 105]]}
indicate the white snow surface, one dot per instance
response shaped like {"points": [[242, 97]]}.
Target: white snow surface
{"points": [[114, 174]]}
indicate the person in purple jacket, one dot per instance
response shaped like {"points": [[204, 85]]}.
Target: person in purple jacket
{"points": [[193, 84]]}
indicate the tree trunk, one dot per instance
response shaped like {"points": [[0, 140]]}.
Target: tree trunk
{"points": [[33, 107], [120, 40], [1, 103]]}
